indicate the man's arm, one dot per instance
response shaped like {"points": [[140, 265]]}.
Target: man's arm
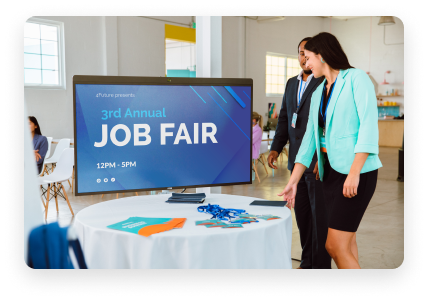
{"points": [[281, 133]]}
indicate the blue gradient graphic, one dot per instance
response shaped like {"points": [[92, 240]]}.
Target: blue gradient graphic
{"points": [[236, 96], [156, 165]]}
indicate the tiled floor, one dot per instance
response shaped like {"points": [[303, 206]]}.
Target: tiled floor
{"points": [[380, 236]]}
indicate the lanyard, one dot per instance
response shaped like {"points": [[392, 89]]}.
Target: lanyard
{"points": [[328, 102], [219, 212], [300, 90]]}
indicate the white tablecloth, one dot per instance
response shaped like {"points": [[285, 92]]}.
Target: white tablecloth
{"points": [[262, 245]]}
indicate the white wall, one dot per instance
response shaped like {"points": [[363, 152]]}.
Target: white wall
{"points": [[134, 46], [354, 36], [141, 47], [180, 55], [233, 47], [84, 55], [126, 46], [279, 37]]}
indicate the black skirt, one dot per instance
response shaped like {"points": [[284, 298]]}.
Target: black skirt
{"points": [[345, 214]]}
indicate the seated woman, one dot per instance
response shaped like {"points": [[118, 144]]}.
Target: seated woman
{"points": [[257, 134], [40, 143]]}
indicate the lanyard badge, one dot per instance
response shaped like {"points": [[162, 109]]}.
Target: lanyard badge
{"points": [[293, 122], [299, 96], [324, 116]]}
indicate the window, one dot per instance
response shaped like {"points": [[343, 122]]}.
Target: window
{"points": [[279, 69], [293, 67], [180, 59], [43, 54], [180, 51]]}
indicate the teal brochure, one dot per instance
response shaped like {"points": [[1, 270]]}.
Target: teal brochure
{"points": [[134, 224], [268, 217], [232, 226], [244, 221], [218, 225], [207, 222], [246, 215]]}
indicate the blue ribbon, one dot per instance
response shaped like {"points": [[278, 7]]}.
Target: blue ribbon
{"points": [[219, 212], [300, 89], [324, 117]]}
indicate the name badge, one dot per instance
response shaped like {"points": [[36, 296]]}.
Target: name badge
{"points": [[323, 145], [293, 122]]}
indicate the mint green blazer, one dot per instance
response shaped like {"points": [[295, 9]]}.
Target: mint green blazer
{"points": [[351, 125]]}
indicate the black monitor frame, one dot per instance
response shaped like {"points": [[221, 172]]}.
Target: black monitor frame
{"points": [[143, 80]]}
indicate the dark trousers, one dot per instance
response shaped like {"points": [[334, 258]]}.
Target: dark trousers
{"points": [[311, 218]]}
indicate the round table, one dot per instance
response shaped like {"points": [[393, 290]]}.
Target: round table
{"points": [[262, 245]]}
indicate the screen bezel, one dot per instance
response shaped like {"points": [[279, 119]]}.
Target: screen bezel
{"points": [[143, 80]]}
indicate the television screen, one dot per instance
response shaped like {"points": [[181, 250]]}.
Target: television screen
{"points": [[145, 133]]}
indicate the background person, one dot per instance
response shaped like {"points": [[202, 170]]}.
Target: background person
{"points": [[310, 208], [257, 133], [40, 143], [343, 128]]}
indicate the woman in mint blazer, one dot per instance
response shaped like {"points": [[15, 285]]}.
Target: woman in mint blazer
{"points": [[343, 129]]}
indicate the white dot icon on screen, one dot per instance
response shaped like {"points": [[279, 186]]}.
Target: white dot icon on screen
{"points": [[98, 180], [113, 179], [105, 180]]}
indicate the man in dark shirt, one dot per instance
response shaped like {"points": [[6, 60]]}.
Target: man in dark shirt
{"points": [[309, 207]]}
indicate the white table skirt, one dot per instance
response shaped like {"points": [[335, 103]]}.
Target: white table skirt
{"points": [[262, 245]]}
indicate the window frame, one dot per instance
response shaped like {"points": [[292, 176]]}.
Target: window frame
{"points": [[291, 57], [61, 56], [285, 56]]}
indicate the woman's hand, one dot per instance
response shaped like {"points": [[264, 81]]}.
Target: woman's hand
{"points": [[38, 157], [316, 171], [289, 194], [351, 185]]}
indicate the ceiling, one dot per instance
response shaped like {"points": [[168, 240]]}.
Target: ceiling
{"points": [[343, 18], [274, 18]]}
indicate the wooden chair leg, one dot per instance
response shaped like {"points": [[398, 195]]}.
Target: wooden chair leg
{"points": [[41, 188], [56, 196], [66, 198], [72, 180], [255, 170], [47, 201], [286, 152], [45, 170], [263, 161]]}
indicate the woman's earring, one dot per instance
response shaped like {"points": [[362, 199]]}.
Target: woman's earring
{"points": [[322, 61]]}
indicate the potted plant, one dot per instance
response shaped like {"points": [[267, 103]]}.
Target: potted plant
{"points": [[267, 126]]}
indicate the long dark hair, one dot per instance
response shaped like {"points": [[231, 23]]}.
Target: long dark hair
{"points": [[304, 40], [37, 128], [330, 50]]}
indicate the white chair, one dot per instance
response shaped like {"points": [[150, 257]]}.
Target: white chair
{"points": [[263, 149], [42, 171], [271, 135], [62, 172], [285, 150], [48, 153], [62, 144]]}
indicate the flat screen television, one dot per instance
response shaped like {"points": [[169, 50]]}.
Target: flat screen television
{"points": [[149, 133]]}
